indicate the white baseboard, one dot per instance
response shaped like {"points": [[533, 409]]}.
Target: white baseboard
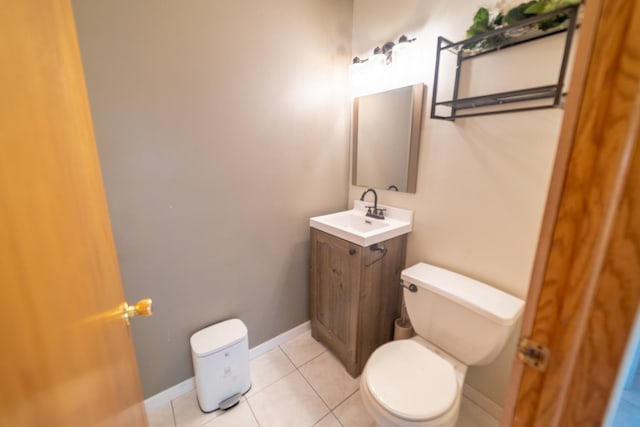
{"points": [[261, 349], [169, 394], [483, 401], [187, 385]]}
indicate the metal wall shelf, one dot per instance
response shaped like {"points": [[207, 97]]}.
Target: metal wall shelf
{"points": [[492, 41]]}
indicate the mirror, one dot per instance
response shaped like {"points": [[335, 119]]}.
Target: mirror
{"points": [[386, 139]]}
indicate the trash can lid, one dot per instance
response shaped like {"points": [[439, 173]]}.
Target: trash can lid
{"points": [[216, 337]]}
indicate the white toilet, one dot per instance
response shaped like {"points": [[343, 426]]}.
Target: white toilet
{"points": [[459, 322]]}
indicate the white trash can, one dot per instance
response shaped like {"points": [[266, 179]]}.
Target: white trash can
{"points": [[221, 363]]}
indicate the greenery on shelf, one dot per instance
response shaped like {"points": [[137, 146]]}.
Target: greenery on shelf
{"points": [[487, 20]]}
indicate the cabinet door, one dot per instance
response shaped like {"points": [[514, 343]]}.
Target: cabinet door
{"points": [[334, 279], [380, 296]]}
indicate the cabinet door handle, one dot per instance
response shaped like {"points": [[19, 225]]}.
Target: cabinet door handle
{"points": [[352, 252]]}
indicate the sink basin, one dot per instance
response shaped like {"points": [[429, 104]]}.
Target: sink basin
{"points": [[354, 220], [354, 226]]}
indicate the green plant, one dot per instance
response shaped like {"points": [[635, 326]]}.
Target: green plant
{"points": [[481, 23], [520, 12], [545, 6], [483, 20]]}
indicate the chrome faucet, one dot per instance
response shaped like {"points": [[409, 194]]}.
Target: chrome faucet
{"points": [[373, 211]]}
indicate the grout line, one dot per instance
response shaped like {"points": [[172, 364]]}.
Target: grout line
{"points": [[337, 404], [251, 409], [286, 375], [173, 414], [308, 361], [312, 359], [272, 383], [313, 388], [311, 385], [275, 381], [346, 398], [286, 355], [316, 392], [337, 419], [332, 414]]}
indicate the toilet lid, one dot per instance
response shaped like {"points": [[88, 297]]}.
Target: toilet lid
{"points": [[410, 381]]}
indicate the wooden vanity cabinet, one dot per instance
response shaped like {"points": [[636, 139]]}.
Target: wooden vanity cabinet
{"points": [[355, 295]]}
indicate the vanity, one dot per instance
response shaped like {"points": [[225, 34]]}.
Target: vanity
{"points": [[355, 293], [356, 260]]}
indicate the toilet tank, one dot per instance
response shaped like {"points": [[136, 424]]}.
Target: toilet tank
{"points": [[468, 319]]}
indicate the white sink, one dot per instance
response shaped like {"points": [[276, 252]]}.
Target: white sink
{"points": [[354, 226]]}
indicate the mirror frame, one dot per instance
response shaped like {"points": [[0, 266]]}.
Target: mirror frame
{"points": [[417, 100]]}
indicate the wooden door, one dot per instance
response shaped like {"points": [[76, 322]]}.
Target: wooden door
{"points": [[67, 357], [585, 286]]}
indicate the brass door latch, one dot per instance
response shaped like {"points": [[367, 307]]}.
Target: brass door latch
{"points": [[533, 354], [141, 308]]}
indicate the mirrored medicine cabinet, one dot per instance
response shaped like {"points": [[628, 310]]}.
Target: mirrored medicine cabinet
{"points": [[386, 138]]}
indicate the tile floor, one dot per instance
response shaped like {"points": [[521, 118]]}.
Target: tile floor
{"points": [[297, 384]]}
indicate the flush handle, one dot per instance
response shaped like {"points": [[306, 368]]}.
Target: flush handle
{"points": [[410, 287], [141, 308]]}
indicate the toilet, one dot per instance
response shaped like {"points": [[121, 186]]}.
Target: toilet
{"points": [[459, 322]]}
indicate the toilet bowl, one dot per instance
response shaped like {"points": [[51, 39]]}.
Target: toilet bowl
{"points": [[408, 383], [459, 322]]}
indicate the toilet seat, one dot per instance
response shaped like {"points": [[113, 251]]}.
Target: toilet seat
{"points": [[410, 381]]}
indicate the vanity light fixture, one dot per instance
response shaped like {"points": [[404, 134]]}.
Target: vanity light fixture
{"points": [[391, 65], [386, 53]]}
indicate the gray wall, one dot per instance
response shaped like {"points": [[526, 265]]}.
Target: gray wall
{"points": [[222, 127]]}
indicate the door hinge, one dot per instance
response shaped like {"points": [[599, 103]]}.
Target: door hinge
{"points": [[533, 354]]}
